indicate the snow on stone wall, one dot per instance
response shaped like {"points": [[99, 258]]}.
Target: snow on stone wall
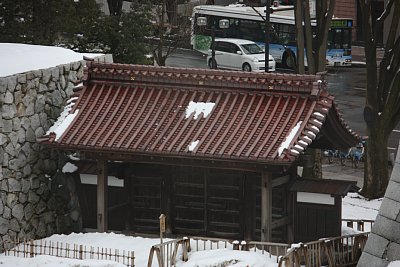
{"points": [[31, 183]]}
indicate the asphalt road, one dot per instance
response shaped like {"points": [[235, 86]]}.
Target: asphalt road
{"points": [[346, 84]]}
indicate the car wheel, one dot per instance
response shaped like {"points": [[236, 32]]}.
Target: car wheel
{"points": [[246, 67], [289, 61], [210, 64]]}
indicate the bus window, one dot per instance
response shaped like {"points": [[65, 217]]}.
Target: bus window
{"points": [[251, 30], [286, 33], [339, 38], [346, 38]]}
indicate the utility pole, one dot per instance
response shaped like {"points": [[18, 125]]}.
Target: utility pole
{"points": [[267, 33]]}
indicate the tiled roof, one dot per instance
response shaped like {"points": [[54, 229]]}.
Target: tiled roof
{"points": [[142, 110]]}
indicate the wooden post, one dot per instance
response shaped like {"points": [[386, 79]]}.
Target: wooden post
{"points": [[102, 183], [266, 206], [249, 199]]}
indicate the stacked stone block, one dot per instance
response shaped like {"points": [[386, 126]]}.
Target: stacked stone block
{"points": [[31, 182], [383, 245]]}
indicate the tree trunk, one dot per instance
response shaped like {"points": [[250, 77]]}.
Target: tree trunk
{"points": [[376, 175], [300, 36]]}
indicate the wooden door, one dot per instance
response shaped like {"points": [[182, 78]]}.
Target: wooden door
{"points": [[146, 198]]}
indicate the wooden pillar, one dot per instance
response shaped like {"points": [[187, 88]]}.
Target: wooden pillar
{"points": [[249, 201], [102, 183], [266, 206]]}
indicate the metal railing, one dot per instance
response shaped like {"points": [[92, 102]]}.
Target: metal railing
{"points": [[32, 248]]}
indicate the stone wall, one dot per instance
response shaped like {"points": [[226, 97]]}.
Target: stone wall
{"points": [[36, 199], [383, 245]]}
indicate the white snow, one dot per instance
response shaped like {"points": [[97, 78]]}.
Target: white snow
{"points": [[227, 257], [285, 144], [357, 207], [315, 128], [19, 58], [312, 134], [141, 247], [199, 107], [319, 115], [303, 143], [50, 261], [69, 168], [64, 120], [193, 145]]}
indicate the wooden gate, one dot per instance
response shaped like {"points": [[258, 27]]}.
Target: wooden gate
{"points": [[207, 202]]}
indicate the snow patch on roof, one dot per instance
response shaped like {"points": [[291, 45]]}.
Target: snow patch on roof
{"points": [[312, 134], [285, 144], [199, 107], [319, 115], [315, 128], [64, 120], [193, 145], [69, 168]]}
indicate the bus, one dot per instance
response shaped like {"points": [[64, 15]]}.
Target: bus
{"points": [[247, 23]]}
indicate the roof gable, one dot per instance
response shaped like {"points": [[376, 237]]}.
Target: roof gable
{"points": [[257, 117]]}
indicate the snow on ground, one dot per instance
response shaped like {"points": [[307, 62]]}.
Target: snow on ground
{"points": [[141, 247], [18, 58], [49, 261], [354, 207]]}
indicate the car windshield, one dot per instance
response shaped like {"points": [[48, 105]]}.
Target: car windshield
{"points": [[252, 49]]}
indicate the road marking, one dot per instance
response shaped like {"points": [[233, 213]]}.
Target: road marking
{"points": [[396, 131], [391, 148]]}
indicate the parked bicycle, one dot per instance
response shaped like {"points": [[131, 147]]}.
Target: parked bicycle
{"points": [[355, 154], [341, 155]]}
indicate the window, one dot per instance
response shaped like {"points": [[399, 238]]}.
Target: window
{"points": [[223, 47], [252, 49]]}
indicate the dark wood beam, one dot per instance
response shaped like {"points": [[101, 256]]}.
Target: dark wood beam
{"points": [[280, 180], [241, 165], [102, 183], [281, 222], [266, 206]]}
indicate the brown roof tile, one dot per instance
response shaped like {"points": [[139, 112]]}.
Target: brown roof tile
{"points": [[142, 109]]}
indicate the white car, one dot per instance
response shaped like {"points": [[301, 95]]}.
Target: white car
{"points": [[238, 54]]}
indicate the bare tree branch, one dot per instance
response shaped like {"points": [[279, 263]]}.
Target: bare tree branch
{"points": [[384, 15]]}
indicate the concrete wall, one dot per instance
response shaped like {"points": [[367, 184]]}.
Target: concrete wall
{"points": [[383, 245], [36, 199]]}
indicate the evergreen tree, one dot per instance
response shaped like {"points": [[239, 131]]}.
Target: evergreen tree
{"points": [[14, 20], [125, 36]]}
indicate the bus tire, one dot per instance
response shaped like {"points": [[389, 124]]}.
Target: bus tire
{"points": [[210, 64], [246, 67], [288, 61]]}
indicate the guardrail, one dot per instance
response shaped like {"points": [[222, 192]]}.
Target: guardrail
{"points": [[338, 251], [32, 248]]}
